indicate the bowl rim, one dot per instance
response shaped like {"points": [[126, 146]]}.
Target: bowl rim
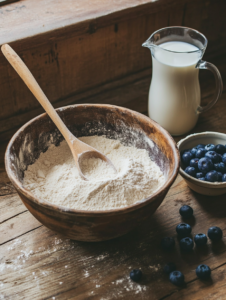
{"points": [[193, 179], [93, 213]]}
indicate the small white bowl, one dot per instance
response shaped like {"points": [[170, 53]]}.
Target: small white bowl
{"points": [[199, 186]]}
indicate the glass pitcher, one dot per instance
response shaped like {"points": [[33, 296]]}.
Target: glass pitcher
{"points": [[174, 95]]}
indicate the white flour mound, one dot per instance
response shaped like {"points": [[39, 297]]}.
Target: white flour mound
{"points": [[55, 178]]}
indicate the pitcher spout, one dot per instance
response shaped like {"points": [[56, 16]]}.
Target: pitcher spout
{"points": [[148, 44]]}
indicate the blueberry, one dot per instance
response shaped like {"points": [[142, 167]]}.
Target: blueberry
{"points": [[168, 243], [186, 244], [193, 151], [186, 211], [194, 163], [200, 153], [215, 233], [135, 275], [170, 267], [176, 277], [213, 156], [220, 149], [224, 178], [202, 178], [200, 239], [219, 176], [205, 164], [212, 176], [190, 171], [184, 151], [183, 229], [220, 157], [220, 167], [200, 175], [186, 157], [203, 272], [224, 158], [210, 147], [200, 146]]}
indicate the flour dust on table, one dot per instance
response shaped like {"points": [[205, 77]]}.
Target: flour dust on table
{"points": [[55, 178]]}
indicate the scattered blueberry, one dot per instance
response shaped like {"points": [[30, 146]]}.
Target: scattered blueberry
{"points": [[210, 147], [176, 277], [186, 211], [219, 176], [224, 178], [190, 171], [205, 164], [212, 176], [202, 178], [186, 157], [200, 146], [168, 243], [215, 233], [194, 163], [186, 244], [200, 153], [203, 272], [220, 167], [200, 175], [213, 156], [135, 275], [224, 158], [183, 229], [220, 149], [170, 267], [200, 239]]}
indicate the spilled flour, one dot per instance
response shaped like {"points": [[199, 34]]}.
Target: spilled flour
{"points": [[55, 178]]}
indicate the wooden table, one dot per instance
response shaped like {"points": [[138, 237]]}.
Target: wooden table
{"points": [[36, 263]]}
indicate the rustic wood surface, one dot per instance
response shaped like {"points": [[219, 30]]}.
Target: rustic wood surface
{"points": [[36, 263], [64, 44]]}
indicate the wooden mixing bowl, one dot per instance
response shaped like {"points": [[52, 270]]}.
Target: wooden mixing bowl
{"points": [[131, 128]]}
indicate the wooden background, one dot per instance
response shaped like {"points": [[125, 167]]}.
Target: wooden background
{"points": [[83, 52]]}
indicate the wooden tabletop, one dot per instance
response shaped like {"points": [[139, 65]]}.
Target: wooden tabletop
{"points": [[37, 263]]}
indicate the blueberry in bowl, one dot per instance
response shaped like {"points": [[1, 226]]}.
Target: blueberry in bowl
{"points": [[221, 149], [212, 176], [194, 163], [200, 153], [213, 156], [191, 171], [205, 165], [210, 147], [214, 160]]}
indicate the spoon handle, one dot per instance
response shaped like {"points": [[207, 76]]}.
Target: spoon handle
{"points": [[36, 90]]}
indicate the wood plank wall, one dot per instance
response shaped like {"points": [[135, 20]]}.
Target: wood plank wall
{"points": [[103, 64]]}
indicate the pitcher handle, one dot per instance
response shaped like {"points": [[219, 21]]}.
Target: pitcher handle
{"points": [[219, 84]]}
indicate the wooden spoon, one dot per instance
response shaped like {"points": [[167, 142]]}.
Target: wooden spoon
{"points": [[79, 149]]}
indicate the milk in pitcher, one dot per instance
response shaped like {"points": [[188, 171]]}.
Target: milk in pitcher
{"points": [[175, 91]]}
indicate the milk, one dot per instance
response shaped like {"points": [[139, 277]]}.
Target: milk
{"points": [[174, 94]]}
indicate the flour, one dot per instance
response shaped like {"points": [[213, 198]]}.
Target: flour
{"points": [[55, 178]]}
